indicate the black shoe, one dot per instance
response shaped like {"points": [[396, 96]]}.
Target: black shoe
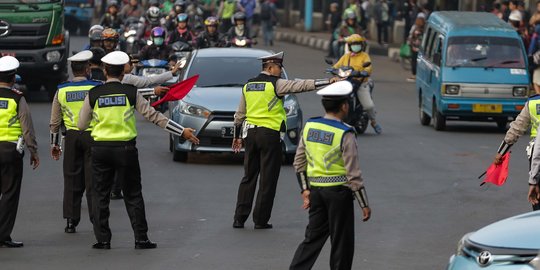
{"points": [[146, 244], [263, 226], [102, 245], [11, 244], [70, 227], [116, 196], [237, 224]]}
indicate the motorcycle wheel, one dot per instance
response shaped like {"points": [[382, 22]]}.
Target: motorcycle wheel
{"points": [[362, 124]]}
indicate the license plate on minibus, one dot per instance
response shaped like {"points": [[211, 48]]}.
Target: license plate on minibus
{"points": [[487, 108]]}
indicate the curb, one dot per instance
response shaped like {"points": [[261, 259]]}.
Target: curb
{"points": [[304, 39]]}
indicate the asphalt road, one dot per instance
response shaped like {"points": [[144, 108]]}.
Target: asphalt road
{"points": [[422, 186]]}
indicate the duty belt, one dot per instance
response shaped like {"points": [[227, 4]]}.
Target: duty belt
{"points": [[327, 181]]}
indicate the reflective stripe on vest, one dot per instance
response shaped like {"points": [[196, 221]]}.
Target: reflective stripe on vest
{"points": [[323, 138], [534, 111], [113, 119], [263, 107], [71, 98], [10, 126]]}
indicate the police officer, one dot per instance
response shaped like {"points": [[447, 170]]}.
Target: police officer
{"points": [[16, 129], [326, 165], [111, 108], [259, 120], [66, 105], [528, 118]]}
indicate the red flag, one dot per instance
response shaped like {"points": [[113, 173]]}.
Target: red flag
{"points": [[497, 174], [178, 91]]}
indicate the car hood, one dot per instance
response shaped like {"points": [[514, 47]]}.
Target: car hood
{"points": [[215, 98], [519, 232]]}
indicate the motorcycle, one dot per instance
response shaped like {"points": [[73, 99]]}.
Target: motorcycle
{"points": [[181, 49], [129, 42], [358, 117]]}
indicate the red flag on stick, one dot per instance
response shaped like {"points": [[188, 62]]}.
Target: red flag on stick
{"points": [[178, 91], [497, 174]]}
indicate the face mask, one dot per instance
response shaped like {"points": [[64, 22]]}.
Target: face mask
{"points": [[158, 41], [356, 48]]}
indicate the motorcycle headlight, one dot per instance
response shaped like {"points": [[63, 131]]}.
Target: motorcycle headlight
{"points": [[192, 110], [291, 107], [451, 89], [130, 39], [344, 73], [53, 56], [519, 91]]}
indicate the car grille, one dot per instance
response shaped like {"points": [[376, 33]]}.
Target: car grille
{"points": [[214, 138], [500, 256]]}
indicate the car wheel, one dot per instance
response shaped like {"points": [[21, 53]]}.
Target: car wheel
{"points": [[171, 144], [180, 156], [425, 119], [289, 159], [439, 121]]}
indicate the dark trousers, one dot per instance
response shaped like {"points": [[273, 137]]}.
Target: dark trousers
{"points": [[106, 160], [414, 55], [330, 214], [262, 157], [382, 32], [535, 207], [77, 173], [11, 172]]}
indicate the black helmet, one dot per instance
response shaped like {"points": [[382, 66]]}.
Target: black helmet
{"points": [[239, 16], [153, 14]]}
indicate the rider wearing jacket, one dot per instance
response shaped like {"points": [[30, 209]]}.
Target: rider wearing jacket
{"points": [[111, 19], [350, 27], [356, 59], [210, 37], [240, 29], [182, 32], [158, 49], [152, 19]]}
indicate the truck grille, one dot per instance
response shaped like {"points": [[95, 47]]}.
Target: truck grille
{"points": [[26, 36]]}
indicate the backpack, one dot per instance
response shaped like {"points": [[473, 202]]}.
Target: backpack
{"points": [[266, 12]]}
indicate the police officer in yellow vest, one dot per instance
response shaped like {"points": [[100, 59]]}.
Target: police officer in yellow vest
{"points": [[16, 129], [111, 107], [258, 121], [528, 118], [328, 172], [66, 105]]}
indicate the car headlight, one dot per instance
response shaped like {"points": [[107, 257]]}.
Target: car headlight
{"points": [[451, 89], [291, 107], [189, 109], [519, 91], [461, 245], [53, 56]]}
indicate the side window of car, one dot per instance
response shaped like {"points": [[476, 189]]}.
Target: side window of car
{"points": [[437, 50], [431, 44], [425, 39]]}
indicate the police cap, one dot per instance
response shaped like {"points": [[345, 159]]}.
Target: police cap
{"points": [[337, 90], [116, 58], [8, 64], [81, 56], [274, 58]]}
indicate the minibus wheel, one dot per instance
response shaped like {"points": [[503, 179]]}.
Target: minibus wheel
{"points": [[439, 121], [501, 123]]}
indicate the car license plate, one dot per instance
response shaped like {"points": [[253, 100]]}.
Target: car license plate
{"points": [[487, 108], [7, 54], [227, 132]]}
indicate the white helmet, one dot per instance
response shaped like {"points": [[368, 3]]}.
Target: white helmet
{"points": [[515, 16]]}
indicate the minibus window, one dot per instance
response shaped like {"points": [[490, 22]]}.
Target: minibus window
{"points": [[485, 52], [425, 39], [431, 40]]}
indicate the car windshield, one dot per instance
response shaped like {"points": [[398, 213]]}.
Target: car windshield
{"points": [[486, 52], [224, 71]]}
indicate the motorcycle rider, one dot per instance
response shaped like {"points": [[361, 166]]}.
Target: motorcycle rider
{"points": [[110, 39], [132, 10], [158, 49], [152, 19], [182, 32], [240, 29], [356, 59], [111, 19], [94, 34], [178, 8], [349, 27], [210, 37]]}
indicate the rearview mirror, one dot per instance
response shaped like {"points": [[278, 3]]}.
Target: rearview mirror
{"points": [[329, 61], [366, 64]]}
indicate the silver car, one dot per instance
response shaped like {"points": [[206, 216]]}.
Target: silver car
{"points": [[509, 244], [210, 106]]}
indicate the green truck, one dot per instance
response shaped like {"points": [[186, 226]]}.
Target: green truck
{"points": [[33, 32]]}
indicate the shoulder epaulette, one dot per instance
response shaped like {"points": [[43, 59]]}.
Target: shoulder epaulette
{"points": [[17, 91]]}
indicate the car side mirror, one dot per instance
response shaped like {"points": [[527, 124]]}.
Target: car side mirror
{"points": [[329, 61], [366, 64]]}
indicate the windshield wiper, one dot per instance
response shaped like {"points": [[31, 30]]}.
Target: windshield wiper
{"points": [[503, 63], [478, 59], [224, 85]]}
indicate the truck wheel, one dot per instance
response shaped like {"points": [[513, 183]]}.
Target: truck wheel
{"points": [[424, 117], [439, 121]]}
